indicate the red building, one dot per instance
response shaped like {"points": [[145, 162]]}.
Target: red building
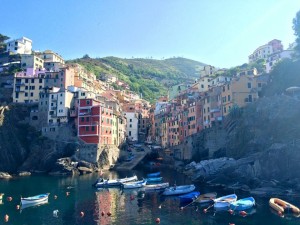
{"points": [[94, 122]]}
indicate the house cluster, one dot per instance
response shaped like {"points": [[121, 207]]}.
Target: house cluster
{"points": [[65, 94], [271, 53]]}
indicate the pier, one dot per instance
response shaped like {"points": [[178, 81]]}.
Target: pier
{"points": [[138, 157]]}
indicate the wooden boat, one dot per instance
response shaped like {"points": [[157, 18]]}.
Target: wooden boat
{"points": [[136, 184], [153, 174], [224, 201], [156, 187], [1, 196], [110, 183], [35, 199], [189, 197], [179, 190], [282, 206], [153, 179], [206, 198], [243, 204]]}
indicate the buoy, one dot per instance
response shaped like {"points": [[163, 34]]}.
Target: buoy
{"points": [[181, 208], [109, 213], [205, 210], [82, 214], [243, 213], [131, 197], [102, 214], [157, 220], [55, 213], [9, 199], [67, 193], [280, 213], [55, 196], [230, 211], [17, 207], [6, 218]]}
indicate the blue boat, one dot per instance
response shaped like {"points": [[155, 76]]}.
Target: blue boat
{"points": [[149, 175], [154, 179], [243, 204], [189, 197]]}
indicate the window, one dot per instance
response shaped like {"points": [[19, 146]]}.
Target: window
{"points": [[32, 80], [82, 119], [32, 87], [130, 120], [250, 98], [249, 85], [87, 102], [228, 98], [87, 119], [17, 95], [93, 128], [31, 94], [87, 128], [259, 84], [129, 133], [26, 81], [26, 94], [26, 87], [130, 125]]}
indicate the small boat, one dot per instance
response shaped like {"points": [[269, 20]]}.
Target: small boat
{"points": [[154, 179], [179, 190], [282, 206], [206, 198], [110, 183], [136, 184], [243, 204], [189, 197], [156, 187], [35, 199], [153, 174], [224, 201]]}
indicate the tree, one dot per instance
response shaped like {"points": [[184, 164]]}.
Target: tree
{"points": [[3, 38], [296, 27]]}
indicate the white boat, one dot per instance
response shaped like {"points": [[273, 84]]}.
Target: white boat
{"points": [[179, 190], [35, 199], [1, 196], [136, 184], [156, 187], [110, 183], [223, 203]]}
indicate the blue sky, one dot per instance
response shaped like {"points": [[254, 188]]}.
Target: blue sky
{"points": [[218, 32]]}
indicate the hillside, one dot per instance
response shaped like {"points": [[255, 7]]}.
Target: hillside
{"points": [[149, 77]]}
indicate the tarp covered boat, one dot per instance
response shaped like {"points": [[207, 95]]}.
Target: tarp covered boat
{"points": [[179, 190], [136, 184], [156, 187]]}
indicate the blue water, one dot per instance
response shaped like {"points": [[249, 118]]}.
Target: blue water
{"points": [[126, 207]]}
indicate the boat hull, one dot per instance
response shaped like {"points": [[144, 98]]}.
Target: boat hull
{"points": [[35, 199], [114, 183], [206, 198], [189, 197], [132, 185], [156, 187], [243, 204], [150, 175], [184, 189]]}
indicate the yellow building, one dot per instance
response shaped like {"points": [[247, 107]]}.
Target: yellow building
{"points": [[27, 86], [31, 61], [241, 91]]}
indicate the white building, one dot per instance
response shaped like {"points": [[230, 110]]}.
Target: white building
{"points": [[220, 80], [132, 125], [31, 61], [204, 83], [50, 56], [54, 106], [207, 70], [276, 57], [22, 45]]}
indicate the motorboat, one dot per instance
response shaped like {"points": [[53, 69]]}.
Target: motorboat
{"points": [[136, 184], [179, 190], [223, 203], [206, 198], [189, 197], [156, 187], [35, 199], [157, 174], [101, 182]]}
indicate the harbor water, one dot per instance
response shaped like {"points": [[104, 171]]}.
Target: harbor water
{"points": [[73, 200]]}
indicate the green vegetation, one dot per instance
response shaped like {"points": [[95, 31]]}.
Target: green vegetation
{"points": [[296, 27], [148, 77], [3, 38]]}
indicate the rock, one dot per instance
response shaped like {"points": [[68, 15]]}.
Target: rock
{"points": [[24, 173], [4, 175]]}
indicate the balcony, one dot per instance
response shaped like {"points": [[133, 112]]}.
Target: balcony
{"points": [[53, 107]]}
